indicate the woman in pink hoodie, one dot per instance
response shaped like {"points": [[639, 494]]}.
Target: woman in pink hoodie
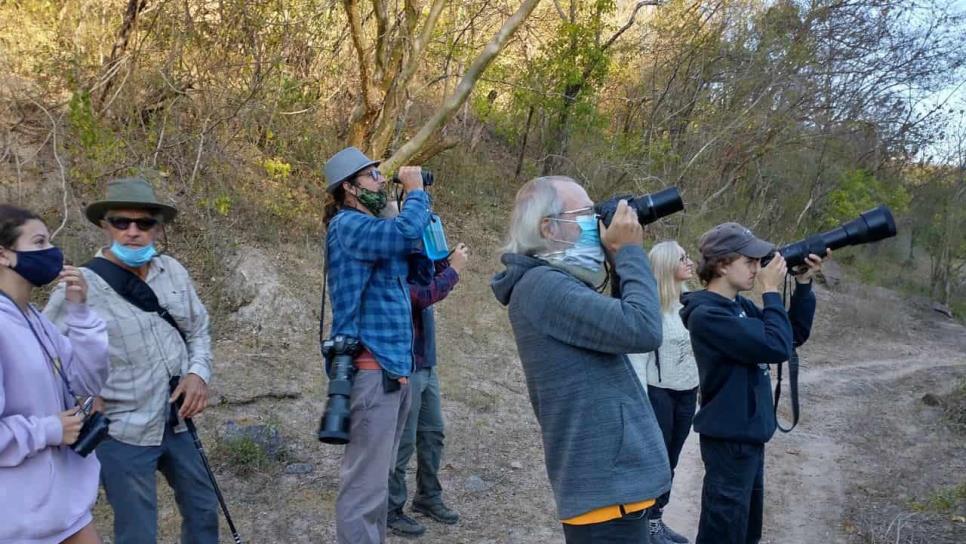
{"points": [[46, 489]]}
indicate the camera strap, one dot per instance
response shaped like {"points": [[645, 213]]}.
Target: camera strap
{"points": [[54, 362], [325, 283], [132, 289], [793, 364]]}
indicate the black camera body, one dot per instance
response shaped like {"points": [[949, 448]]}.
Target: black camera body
{"points": [[426, 175], [340, 351], [871, 226], [92, 433], [649, 207]]}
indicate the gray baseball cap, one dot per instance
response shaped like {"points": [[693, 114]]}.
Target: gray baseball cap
{"points": [[733, 238], [343, 165]]}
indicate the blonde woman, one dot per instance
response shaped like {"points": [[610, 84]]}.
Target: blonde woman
{"points": [[672, 374]]}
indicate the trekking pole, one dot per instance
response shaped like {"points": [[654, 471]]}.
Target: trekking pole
{"points": [[211, 476], [193, 431]]}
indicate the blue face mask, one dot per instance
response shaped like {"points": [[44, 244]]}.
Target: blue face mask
{"points": [[135, 258], [585, 258], [40, 267]]}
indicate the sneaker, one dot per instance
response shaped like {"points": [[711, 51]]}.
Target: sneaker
{"points": [[402, 525], [438, 512], [663, 533]]}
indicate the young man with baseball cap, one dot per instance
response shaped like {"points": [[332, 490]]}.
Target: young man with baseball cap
{"points": [[734, 341], [367, 259]]}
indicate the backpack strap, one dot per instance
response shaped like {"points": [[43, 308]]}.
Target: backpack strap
{"points": [[132, 289]]}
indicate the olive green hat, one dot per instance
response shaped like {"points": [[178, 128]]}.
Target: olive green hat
{"points": [[129, 193]]}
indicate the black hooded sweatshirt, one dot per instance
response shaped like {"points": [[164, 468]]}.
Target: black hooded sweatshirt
{"points": [[734, 341]]}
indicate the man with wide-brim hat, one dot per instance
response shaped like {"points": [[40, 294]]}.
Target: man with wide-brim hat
{"points": [[131, 193], [149, 350], [367, 256]]}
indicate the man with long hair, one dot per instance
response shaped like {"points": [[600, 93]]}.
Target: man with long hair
{"points": [[602, 445]]}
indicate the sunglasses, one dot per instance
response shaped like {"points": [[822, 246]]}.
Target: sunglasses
{"points": [[143, 223]]}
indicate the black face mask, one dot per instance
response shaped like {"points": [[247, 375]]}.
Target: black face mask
{"points": [[40, 267]]}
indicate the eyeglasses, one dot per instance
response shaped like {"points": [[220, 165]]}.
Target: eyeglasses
{"points": [[587, 210], [122, 223], [374, 174]]}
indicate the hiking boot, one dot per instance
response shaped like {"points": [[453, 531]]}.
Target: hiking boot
{"points": [[402, 525], [438, 512], [663, 533]]}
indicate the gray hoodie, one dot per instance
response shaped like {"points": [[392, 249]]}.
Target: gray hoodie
{"points": [[601, 441]]}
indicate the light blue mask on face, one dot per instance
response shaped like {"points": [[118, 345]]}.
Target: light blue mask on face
{"points": [[135, 258], [585, 258]]}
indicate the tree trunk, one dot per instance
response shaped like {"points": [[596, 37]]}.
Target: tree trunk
{"points": [[134, 8], [523, 145], [462, 92]]}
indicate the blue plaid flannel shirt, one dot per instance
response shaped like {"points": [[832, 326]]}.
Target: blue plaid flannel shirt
{"points": [[367, 279]]}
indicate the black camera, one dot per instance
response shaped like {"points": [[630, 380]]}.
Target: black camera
{"points": [[649, 208], [92, 433], [334, 427], [871, 226], [426, 174]]}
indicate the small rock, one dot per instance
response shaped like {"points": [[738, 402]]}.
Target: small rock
{"points": [[300, 468], [516, 465], [930, 399], [474, 484]]}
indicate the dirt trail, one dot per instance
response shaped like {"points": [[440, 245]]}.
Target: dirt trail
{"points": [[804, 478]]}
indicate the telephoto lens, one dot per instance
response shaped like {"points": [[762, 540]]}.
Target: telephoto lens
{"points": [[871, 226], [426, 174], [334, 427], [649, 207]]}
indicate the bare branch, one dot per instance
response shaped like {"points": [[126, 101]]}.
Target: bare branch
{"points": [[63, 175], [630, 22], [134, 8], [462, 91]]}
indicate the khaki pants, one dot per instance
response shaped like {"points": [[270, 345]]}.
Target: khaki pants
{"points": [[377, 421]]}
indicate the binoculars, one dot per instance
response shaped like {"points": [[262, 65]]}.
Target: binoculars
{"points": [[426, 174]]}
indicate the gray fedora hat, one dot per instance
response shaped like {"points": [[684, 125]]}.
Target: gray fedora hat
{"points": [[130, 193], [343, 165]]}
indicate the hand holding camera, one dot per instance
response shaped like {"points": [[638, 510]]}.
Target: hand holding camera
{"points": [[772, 275], [71, 422], [812, 266], [624, 229]]}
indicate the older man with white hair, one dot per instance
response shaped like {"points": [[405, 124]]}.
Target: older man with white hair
{"points": [[604, 453]]}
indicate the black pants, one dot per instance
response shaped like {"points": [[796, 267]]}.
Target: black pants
{"points": [[630, 529], [674, 411], [732, 497]]}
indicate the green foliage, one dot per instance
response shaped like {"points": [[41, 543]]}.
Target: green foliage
{"points": [[277, 168], [945, 500], [242, 455], [98, 148], [859, 191]]}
